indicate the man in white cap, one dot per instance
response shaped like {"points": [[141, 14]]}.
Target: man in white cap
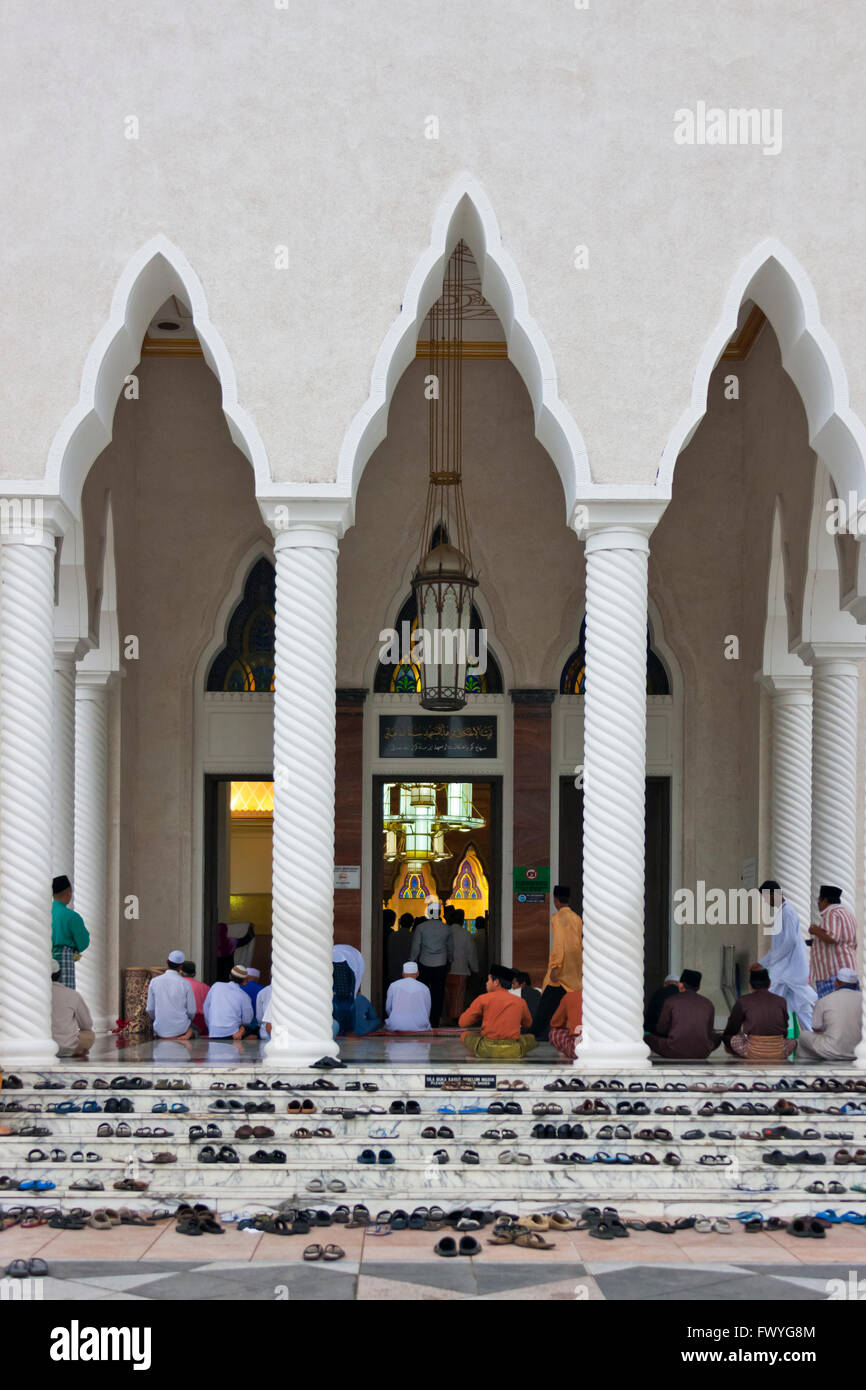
{"points": [[835, 1030], [170, 1001], [228, 1012], [407, 1007]]}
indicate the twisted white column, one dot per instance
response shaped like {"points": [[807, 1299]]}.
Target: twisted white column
{"points": [[91, 839], [26, 797], [304, 750], [791, 818], [834, 778], [63, 779], [614, 798]]}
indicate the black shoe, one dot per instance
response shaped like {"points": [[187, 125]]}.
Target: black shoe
{"points": [[469, 1156], [444, 1132], [396, 1107], [413, 1108], [228, 1155]]}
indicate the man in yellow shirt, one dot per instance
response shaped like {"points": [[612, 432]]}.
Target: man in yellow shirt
{"points": [[565, 966]]}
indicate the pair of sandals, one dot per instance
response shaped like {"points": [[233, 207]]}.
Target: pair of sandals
{"points": [[131, 1185], [27, 1269], [517, 1086], [516, 1233], [163, 1108], [510, 1156], [324, 1252], [225, 1155], [164, 1085], [300, 1107], [448, 1247], [87, 1185], [543, 1107], [200, 1132], [262, 1156], [834, 1189], [385, 1157], [332, 1185], [197, 1220]]}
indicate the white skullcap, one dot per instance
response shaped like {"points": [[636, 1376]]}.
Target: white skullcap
{"points": [[846, 976], [252, 972], [672, 979], [410, 968], [176, 957]]}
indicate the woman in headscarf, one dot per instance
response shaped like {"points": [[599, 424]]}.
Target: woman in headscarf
{"points": [[226, 947]]}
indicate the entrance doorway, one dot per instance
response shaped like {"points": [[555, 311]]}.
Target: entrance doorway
{"points": [[658, 867], [442, 838], [238, 852]]}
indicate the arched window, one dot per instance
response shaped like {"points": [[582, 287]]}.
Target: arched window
{"points": [[246, 662], [573, 679], [404, 678]]}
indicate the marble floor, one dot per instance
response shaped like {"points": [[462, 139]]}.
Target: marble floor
{"points": [[444, 1049], [143, 1264]]}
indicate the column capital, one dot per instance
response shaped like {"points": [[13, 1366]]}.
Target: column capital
{"points": [[845, 655], [87, 682], [617, 522], [69, 649], [793, 690], [26, 518], [308, 520]]}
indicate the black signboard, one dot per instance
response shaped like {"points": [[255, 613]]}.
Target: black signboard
{"points": [[481, 1080], [437, 736]]}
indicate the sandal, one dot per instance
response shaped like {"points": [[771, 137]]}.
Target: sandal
{"points": [[313, 1252], [531, 1240]]}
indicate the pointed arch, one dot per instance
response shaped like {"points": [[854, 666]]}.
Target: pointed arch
{"points": [[155, 272], [774, 280], [259, 550], [466, 214]]}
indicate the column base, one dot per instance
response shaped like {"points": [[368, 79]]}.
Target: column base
{"points": [[103, 1025], [612, 1056], [296, 1052], [27, 1052]]}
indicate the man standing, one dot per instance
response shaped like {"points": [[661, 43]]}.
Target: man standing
{"points": [[757, 1026], [565, 967], [71, 1024], [228, 1012], [787, 959], [836, 1022], [69, 936], [464, 962], [685, 1026], [170, 1001], [432, 948], [834, 941], [398, 944], [407, 1007]]}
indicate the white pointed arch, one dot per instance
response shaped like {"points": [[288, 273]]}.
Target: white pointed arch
{"points": [[156, 271], [465, 213], [774, 280], [259, 550]]}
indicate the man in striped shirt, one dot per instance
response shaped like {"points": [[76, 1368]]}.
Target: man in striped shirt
{"points": [[834, 940]]}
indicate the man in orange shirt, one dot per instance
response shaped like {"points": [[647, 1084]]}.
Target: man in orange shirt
{"points": [[566, 1023], [565, 967], [501, 1015]]}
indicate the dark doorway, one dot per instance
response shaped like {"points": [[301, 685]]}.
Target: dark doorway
{"points": [[480, 844], [238, 844], [658, 867]]}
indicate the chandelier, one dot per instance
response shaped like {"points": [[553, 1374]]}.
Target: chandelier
{"points": [[444, 582], [427, 811]]}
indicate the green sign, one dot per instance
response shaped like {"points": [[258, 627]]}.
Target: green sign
{"points": [[532, 880]]}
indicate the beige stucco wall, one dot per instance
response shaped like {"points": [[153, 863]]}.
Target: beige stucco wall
{"points": [[262, 126]]}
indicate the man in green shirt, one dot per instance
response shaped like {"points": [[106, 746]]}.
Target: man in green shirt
{"points": [[69, 935]]}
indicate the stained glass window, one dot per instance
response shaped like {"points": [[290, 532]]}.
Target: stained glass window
{"points": [[573, 679], [246, 662], [405, 678]]}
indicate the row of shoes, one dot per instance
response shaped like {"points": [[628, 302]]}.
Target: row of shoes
{"points": [[819, 1083]]}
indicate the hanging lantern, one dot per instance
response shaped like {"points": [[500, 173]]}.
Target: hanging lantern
{"points": [[443, 583]]}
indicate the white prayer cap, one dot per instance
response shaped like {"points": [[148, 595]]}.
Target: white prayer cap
{"points": [[672, 979], [176, 957], [846, 976], [252, 972], [410, 968]]}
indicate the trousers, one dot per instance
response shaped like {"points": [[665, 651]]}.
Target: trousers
{"points": [[433, 976]]}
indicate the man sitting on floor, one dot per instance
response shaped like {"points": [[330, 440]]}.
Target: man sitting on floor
{"points": [[200, 990], [71, 1024], [407, 1007], [566, 1023], [227, 1010], [667, 990], [685, 1026], [836, 1022], [501, 1015], [170, 1001], [757, 1027]]}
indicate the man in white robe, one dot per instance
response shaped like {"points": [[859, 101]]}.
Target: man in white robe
{"points": [[788, 959], [407, 1007]]}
